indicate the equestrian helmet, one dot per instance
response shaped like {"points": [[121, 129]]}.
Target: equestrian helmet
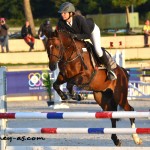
{"points": [[47, 22], [66, 7]]}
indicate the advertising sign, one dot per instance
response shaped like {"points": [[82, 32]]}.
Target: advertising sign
{"points": [[26, 81]]}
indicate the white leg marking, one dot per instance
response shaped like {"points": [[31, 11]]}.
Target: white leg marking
{"points": [[136, 138]]}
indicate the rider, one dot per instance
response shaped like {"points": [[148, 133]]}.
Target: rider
{"points": [[80, 29]]}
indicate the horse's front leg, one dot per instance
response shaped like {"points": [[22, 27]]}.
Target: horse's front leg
{"points": [[70, 89], [56, 85], [107, 103], [72, 94]]}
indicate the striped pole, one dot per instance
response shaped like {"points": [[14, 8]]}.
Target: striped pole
{"points": [[74, 115], [75, 148], [77, 130]]}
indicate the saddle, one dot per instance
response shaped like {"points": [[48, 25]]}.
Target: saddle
{"points": [[96, 61]]}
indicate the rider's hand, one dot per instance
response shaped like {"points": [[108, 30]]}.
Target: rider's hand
{"points": [[74, 36]]}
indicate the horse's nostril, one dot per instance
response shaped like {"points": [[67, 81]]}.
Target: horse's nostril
{"points": [[53, 67]]}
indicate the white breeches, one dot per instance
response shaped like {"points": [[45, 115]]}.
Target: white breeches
{"points": [[96, 40]]}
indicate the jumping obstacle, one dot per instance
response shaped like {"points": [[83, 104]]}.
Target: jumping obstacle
{"points": [[74, 148], [66, 115], [77, 131], [74, 115]]}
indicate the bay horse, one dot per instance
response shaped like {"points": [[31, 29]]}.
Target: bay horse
{"points": [[76, 68]]}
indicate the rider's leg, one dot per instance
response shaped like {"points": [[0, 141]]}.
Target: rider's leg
{"points": [[96, 40], [105, 60]]}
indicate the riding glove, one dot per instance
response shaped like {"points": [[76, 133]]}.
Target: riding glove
{"points": [[74, 36]]}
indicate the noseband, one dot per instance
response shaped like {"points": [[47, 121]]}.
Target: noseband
{"points": [[62, 51], [60, 48]]}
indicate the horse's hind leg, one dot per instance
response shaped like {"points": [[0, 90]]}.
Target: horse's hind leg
{"points": [[123, 102], [114, 137], [113, 107], [106, 101], [135, 136], [120, 96], [56, 85]]}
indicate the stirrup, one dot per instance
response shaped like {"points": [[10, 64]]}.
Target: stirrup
{"points": [[111, 75]]}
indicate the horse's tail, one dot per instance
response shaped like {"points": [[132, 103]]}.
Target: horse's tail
{"points": [[126, 73]]}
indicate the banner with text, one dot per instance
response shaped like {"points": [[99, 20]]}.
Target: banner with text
{"points": [[26, 81]]}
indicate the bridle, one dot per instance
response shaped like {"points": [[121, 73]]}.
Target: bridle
{"points": [[50, 52], [62, 51]]}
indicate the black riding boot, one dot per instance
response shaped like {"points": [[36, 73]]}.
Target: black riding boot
{"points": [[31, 46], [105, 60]]}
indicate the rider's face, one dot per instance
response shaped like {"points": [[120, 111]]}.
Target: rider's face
{"points": [[65, 15]]}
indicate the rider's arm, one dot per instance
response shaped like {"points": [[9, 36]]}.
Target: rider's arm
{"points": [[83, 27]]}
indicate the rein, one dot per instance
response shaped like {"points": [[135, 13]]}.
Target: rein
{"points": [[62, 50], [78, 54]]}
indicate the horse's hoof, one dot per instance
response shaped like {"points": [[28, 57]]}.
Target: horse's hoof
{"points": [[49, 103], [74, 97], [77, 97], [139, 141], [136, 139], [64, 97], [118, 143]]}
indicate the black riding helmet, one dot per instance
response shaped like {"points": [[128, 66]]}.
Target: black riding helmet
{"points": [[47, 22], [67, 7]]}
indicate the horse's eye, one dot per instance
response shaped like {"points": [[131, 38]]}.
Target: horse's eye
{"points": [[56, 46]]}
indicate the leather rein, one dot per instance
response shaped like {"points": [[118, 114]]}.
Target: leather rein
{"points": [[62, 50]]}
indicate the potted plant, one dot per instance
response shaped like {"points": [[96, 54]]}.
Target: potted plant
{"points": [[48, 85]]}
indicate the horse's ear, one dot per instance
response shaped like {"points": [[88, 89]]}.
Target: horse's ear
{"points": [[52, 34]]}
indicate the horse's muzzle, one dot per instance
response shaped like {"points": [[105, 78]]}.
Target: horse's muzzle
{"points": [[52, 67]]}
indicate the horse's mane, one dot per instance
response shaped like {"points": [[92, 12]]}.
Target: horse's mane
{"points": [[55, 33], [64, 32]]}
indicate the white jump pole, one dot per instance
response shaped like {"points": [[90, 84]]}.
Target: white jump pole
{"points": [[77, 131], [74, 115], [3, 106], [73, 148]]}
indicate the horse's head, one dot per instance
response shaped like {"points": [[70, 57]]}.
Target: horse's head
{"points": [[57, 46]]}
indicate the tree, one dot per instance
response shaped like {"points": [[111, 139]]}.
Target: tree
{"points": [[127, 4], [88, 6], [85, 6], [28, 15], [11, 9]]}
